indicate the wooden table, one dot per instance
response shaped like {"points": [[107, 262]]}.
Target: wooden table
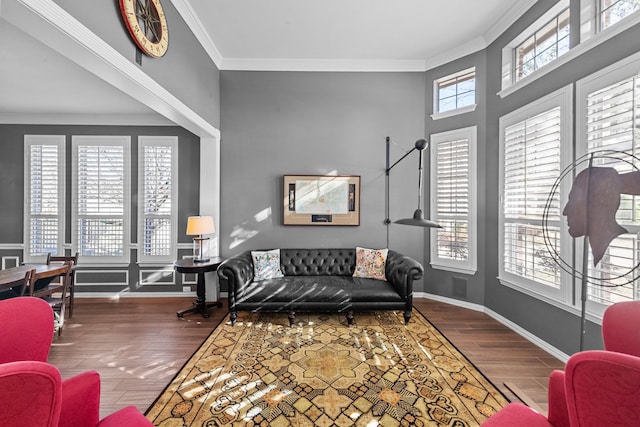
{"points": [[14, 276], [188, 266]]}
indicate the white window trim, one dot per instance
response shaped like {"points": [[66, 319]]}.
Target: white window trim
{"points": [[590, 20], [562, 98], [612, 74], [470, 266], [117, 140], [171, 141], [588, 41], [508, 57], [30, 140], [456, 111]]}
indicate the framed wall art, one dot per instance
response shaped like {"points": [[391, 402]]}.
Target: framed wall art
{"points": [[321, 200]]}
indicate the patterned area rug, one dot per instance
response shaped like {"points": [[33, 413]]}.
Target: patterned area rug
{"points": [[261, 372]]}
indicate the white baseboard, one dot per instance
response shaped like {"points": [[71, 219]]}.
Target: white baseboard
{"points": [[506, 322]]}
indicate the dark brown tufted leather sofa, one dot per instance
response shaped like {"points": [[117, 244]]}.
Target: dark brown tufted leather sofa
{"points": [[319, 280]]}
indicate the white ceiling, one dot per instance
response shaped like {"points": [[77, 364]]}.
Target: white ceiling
{"points": [[344, 34], [350, 35]]}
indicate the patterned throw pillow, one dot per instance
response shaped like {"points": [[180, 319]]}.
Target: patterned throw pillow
{"points": [[370, 263], [266, 265]]}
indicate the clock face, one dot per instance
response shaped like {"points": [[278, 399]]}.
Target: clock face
{"points": [[147, 25]]}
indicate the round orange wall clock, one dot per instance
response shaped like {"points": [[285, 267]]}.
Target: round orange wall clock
{"points": [[147, 25]]}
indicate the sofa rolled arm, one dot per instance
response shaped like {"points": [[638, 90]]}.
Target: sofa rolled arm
{"points": [[236, 273], [401, 270]]}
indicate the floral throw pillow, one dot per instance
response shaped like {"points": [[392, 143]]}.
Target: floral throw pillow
{"points": [[370, 263], [266, 265]]}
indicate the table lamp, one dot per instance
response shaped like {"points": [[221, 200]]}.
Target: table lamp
{"points": [[199, 226]]}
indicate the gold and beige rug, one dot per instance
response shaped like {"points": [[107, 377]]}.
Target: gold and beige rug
{"points": [[261, 372]]}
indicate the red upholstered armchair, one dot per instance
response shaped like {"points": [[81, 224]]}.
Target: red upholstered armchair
{"points": [[602, 388], [27, 329], [30, 394], [620, 328], [34, 395], [25, 340]]}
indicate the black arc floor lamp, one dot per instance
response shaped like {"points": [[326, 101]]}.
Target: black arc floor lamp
{"points": [[418, 219]]}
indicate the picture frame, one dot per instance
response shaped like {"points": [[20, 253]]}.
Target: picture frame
{"points": [[321, 200]]}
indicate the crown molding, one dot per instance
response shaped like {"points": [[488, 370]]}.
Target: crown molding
{"points": [[323, 65], [508, 19], [195, 25], [472, 46]]}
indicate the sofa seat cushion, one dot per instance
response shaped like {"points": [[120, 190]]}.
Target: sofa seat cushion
{"points": [[311, 289], [365, 290]]}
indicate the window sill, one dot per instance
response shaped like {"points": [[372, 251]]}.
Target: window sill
{"points": [[462, 270], [457, 111], [574, 53]]}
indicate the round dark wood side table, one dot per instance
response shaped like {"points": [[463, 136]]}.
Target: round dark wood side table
{"points": [[188, 266]]}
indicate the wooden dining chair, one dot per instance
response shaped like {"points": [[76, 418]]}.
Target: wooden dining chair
{"points": [[54, 293], [20, 289], [72, 282]]}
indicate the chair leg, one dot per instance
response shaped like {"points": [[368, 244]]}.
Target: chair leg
{"points": [[72, 283]]}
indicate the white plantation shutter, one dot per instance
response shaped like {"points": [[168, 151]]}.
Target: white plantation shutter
{"points": [[454, 207], [530, 167], [157, 183], [101, 197], [44, 191], [612, 123]]}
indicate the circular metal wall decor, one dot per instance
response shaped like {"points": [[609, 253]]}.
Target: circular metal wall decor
{"points": [[147, 25]]}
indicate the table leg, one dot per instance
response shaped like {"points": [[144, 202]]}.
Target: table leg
{"points": [[200, 305]]}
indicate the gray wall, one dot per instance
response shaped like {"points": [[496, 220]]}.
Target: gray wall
{"points": [[277, 123], [469, 288], [12, 175], [186, 70], [555, 326]]}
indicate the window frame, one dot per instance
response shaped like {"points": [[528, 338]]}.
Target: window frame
{"points": [[106, 140], [437, 114], [619, 71], [589, 39], [562, 98], [601, 13], [470, 265], [172, 142], [509, 54], [518, 65], [60, 142]]}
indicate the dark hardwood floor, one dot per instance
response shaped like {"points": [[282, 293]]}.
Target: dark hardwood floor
{"points": [[138, 345]]}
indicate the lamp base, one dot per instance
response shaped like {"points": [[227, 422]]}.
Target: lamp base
{"points": [[201, 249]]}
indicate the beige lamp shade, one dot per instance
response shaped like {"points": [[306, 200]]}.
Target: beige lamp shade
{"points": [[199, 225]]}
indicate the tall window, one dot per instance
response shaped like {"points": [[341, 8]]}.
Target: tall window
{"points": [[613, 11], [44, 195], [532, 141], [455, 92], [610, 102], [453, 182], [101, 198], [157, 189], [543, 46]]}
